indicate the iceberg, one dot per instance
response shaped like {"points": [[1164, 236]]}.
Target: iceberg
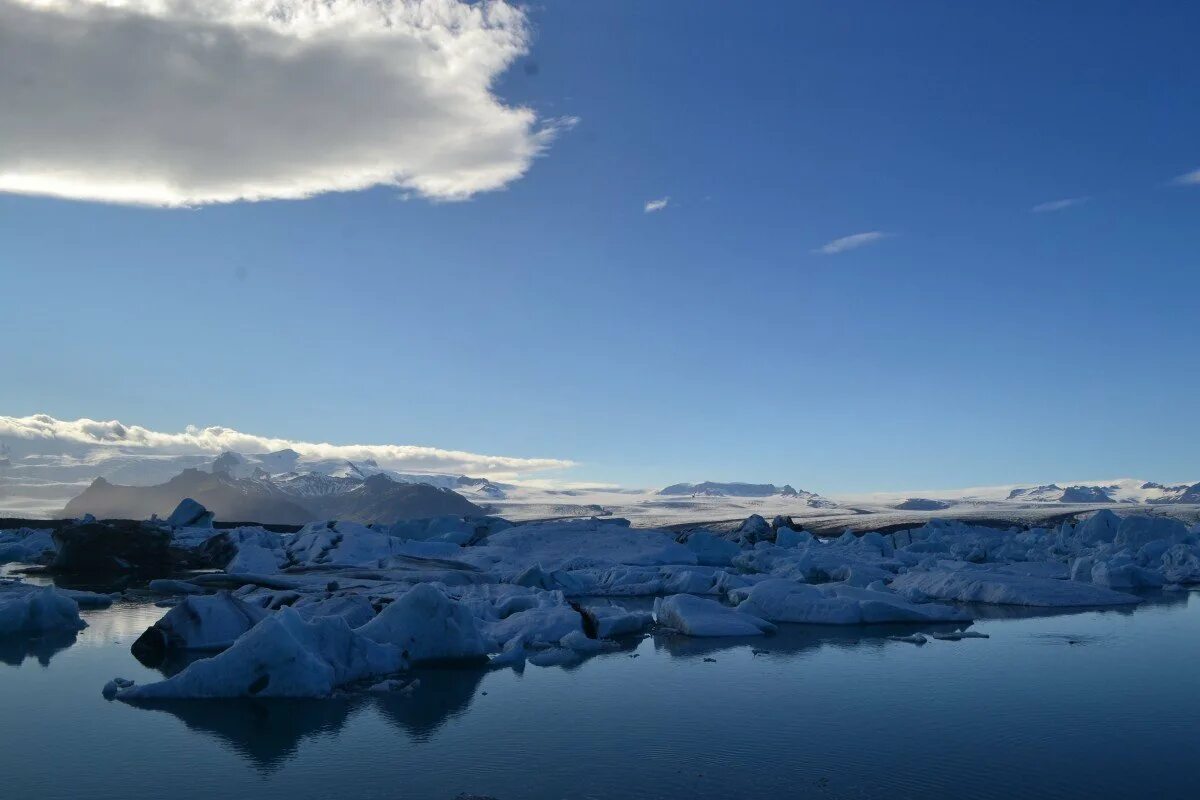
{"points": [[26, 545], [26, 609], [426, 625], [696, 616], [984, 586], [283, 656], [198, 622], [838, 604]]}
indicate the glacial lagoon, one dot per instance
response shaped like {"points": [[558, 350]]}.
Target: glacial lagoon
{"points": [[1075, 704]]}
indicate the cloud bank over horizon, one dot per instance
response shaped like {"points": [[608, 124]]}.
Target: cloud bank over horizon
{"points": [[188, 102], [40, 434]]}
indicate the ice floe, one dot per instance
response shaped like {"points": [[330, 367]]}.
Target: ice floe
{"points": [[336, 604], [26, 609], [698, 616], [282, 656]]}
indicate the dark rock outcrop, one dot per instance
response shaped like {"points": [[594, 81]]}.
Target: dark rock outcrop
{"points": [[114, 548]]}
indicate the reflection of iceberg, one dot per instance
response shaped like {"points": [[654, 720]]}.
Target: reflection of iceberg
{"points": [[266, 732], [793, 639], [443, 693], [14, 649]]}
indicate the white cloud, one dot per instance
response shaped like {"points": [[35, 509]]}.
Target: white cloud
{"points": [[185, 102], [657, 205], [44, 434], [852, 242], [1058, 205], [1188, 178]]}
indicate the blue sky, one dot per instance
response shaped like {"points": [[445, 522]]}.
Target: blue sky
{"points": [[976, 342]]}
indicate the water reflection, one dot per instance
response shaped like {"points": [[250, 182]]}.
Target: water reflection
{"points": [[15, 649], [268, 732], [264, 731]]}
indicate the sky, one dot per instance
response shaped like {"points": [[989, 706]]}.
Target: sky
{"points": [[847, 246]]}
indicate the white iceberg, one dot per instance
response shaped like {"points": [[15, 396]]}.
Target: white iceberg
{"points": [[283, 656], [426, 625]]}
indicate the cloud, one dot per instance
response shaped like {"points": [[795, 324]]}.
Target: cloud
{"points": [[1188, 179], [44, 434], [186, 102], [1058, 205], [656, 205], [852, 242]]}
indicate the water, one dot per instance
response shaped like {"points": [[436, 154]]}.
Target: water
{"points": [[1083, 705]]}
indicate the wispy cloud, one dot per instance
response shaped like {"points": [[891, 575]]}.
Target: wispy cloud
{"points": [[657, 205], [851, 242], [45, 434], [1188, 179], [1059, 205]]}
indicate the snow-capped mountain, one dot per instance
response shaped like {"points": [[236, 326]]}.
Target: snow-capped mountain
{"points": [[292, 498], [1122, 491]]}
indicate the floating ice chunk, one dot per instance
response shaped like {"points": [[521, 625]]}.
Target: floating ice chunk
{"points": [[1081, 569], [546, 623], [838, 604], [1135, 531], [513, 655], [576, 544], [283, 656], [190, 514], [983, 586], [1120, 572], [711, 549], [695, 616], [754, 529], [786, 537], [341, 543], [426, 625], [26, 545], [1099, 528], [782, 600], [580, 643], [114, 686], [31, 609], [253, 557], [616, 621], [1181, 564], [954, 636], [198, 622], [912, 638], [85, 599]]}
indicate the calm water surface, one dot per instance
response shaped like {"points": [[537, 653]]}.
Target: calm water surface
{"points": [[1084, 705]]}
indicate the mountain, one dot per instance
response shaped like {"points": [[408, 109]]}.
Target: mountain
{"points": [[379, 498], [1121, 491], [231, 499], [291, 498]]}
